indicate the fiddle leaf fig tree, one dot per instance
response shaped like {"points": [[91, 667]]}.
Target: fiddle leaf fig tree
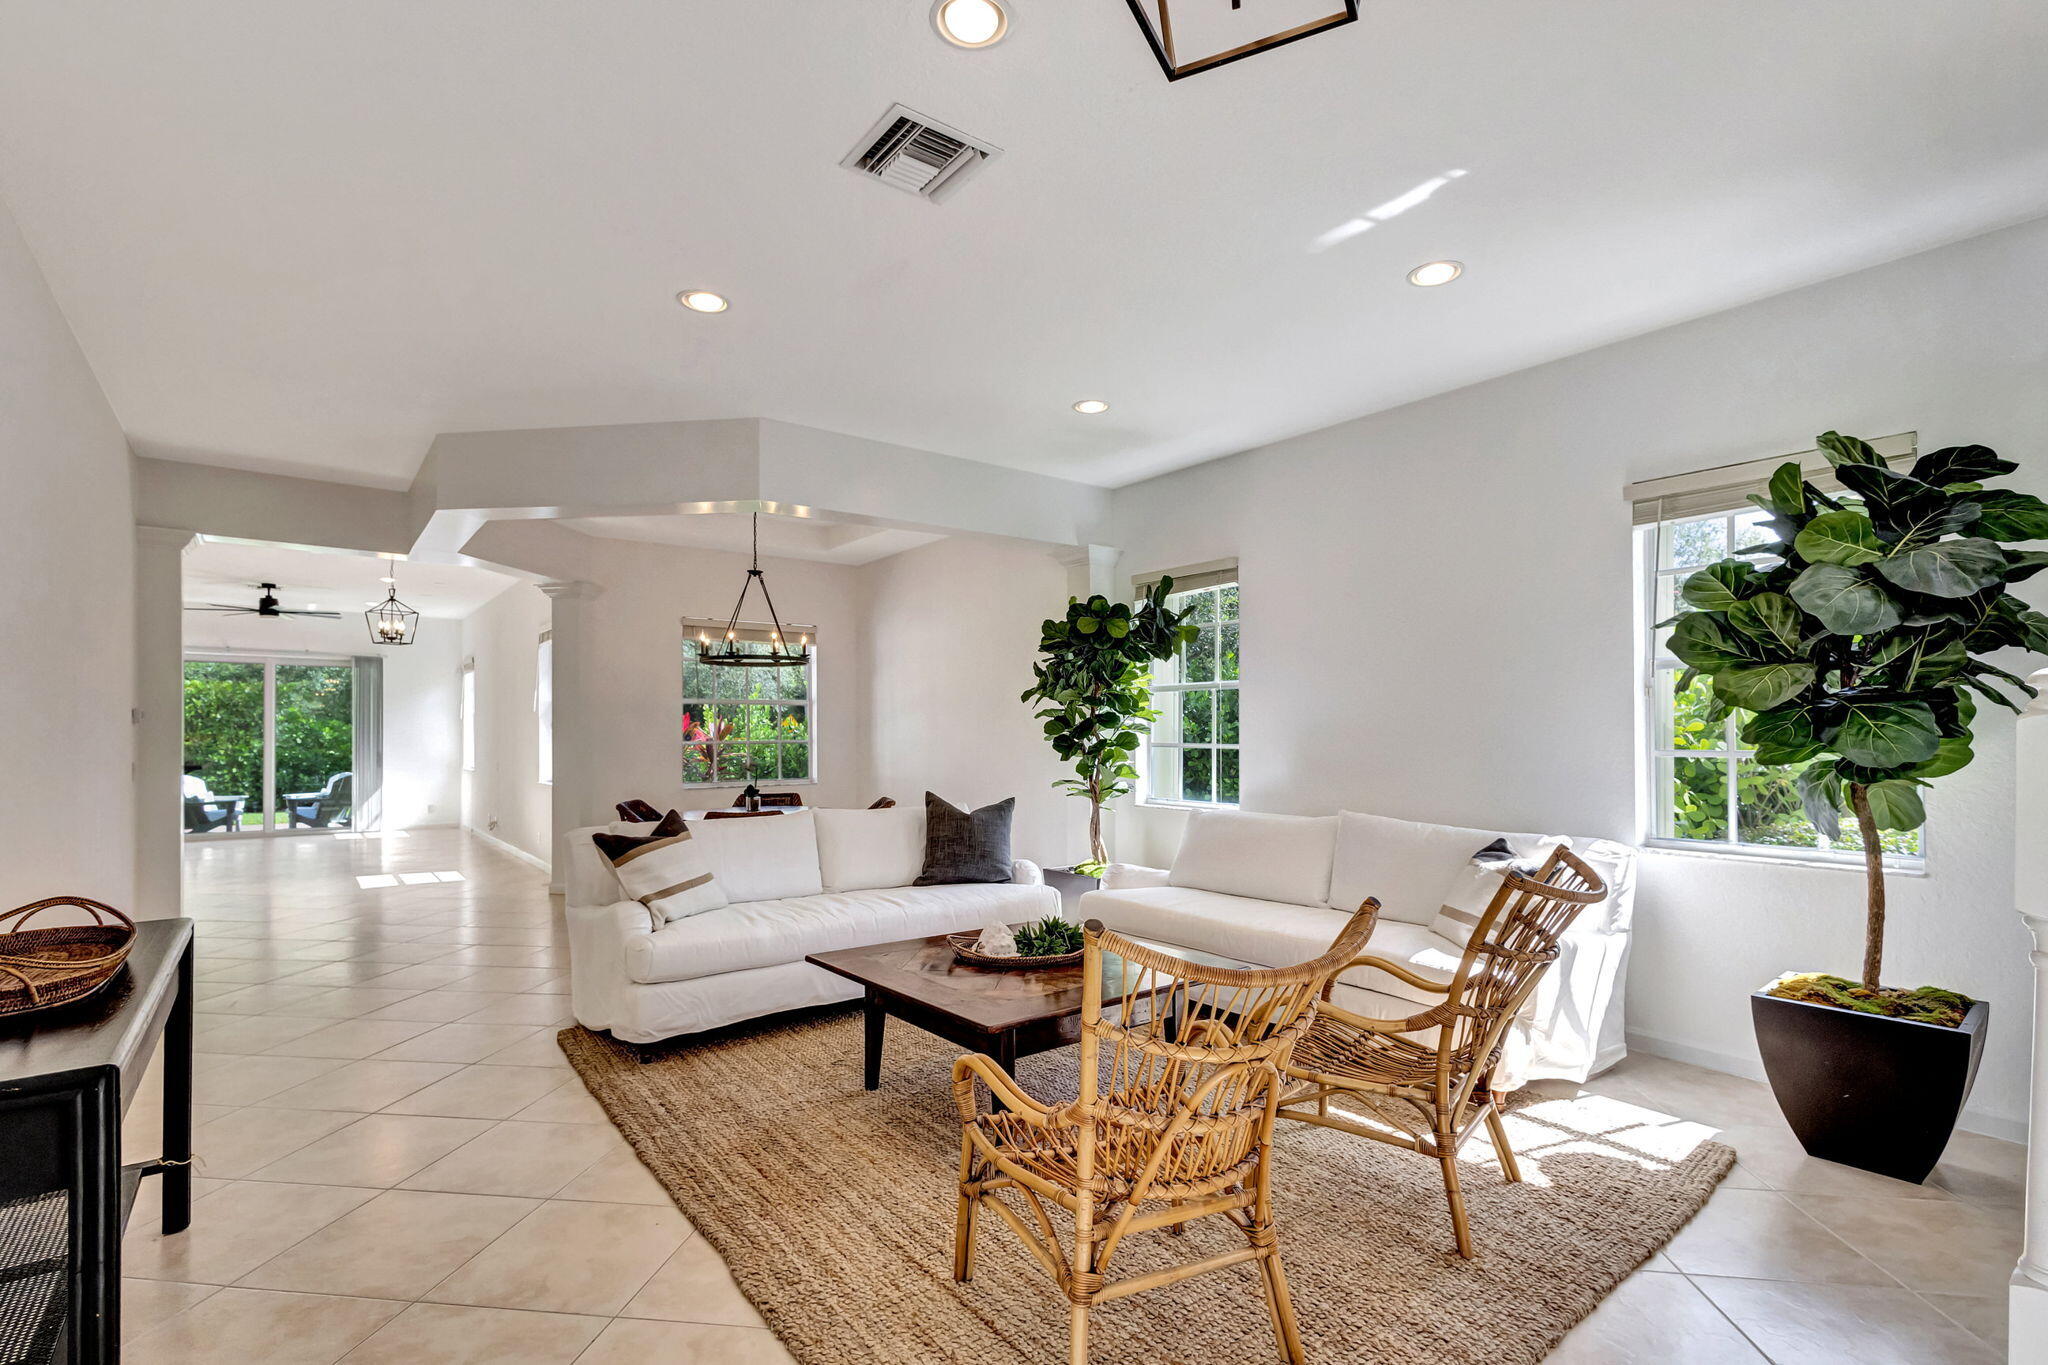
{"points": [[1852, 645], [1095, 683]]}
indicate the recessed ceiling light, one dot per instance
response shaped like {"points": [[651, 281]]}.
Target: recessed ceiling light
{"points": [[1091, 406], [1436, 272], [702, 301], [971, 23]]}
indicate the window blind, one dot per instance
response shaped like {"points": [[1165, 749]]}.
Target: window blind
{"points": [[1727, 487], [1195, 576]]}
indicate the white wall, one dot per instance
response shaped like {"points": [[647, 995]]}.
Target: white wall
{"points": [[422, 738], [504, 797], [1438, 617], [954, 629], [67, 609]]}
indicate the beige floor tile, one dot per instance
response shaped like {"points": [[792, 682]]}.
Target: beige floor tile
{"points": [[349, 1002], [1983, 1171], [1771, 1153], [542, 1011], [376, 1151], [634, 1342], [539, 1050], [460, 1042], [1944, 1247], [1763, 1234], [236, 1229], [239, 1079], [396, 1246], [234, 1145], [1986, 1316], [503, 955], [505, 979], [481, 1092], [694, 1286], [1695, 1093], [149, 1203], [1653, 1319], [256, 1325], [426, 976], [364, 1087], [354, 972], [146, 1304], [569, 1103], [248, 971], [438, 1007], [569, 1258], [446, 1334], [617, 1179], [530, 1160], [351, 1038], [265, 999], [1867, 1324]]}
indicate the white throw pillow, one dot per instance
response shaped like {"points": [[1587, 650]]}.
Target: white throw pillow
{"points": [[1404, 863], [763, 857], [1473, 886], [1267, 857], [667, 873], [865, 850]]}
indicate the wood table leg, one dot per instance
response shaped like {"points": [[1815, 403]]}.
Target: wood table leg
{"points": [[876, 1017]]}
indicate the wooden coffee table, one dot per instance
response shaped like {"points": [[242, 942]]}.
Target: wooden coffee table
{"points": [[1006, 1014]]}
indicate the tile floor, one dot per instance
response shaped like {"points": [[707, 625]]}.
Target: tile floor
{"points": [[396, 1165]]}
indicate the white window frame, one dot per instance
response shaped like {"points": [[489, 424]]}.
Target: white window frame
{"points": [[1154, 745], [468, 710], [1652, 743], [692, 631], [544, 707]]}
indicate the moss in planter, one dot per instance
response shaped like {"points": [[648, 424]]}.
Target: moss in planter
{"points": [[1922, 1004]]}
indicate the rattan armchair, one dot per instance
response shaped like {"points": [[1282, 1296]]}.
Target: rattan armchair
{"points": [[1180, 1082], [1436, 1091]]}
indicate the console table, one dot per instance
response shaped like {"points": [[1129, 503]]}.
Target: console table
{"points": [[66, 1077]]}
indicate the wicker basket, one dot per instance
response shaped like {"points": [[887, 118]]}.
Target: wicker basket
{"points": [[43, 968], [964, 949]]}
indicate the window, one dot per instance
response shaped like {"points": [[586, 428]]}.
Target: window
{"points": [[1192, 751], [1705, 791], [469, 716], [746, 724], [544, 705]]}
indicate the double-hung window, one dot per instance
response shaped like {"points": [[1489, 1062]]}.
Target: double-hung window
{"points": [[1702, 788], [1192, 750], [746, 724]]}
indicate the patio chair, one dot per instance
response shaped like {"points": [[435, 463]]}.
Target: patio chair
{"points": [[320, 809], [1436, 1091], [205, 814], [1180, 1081]]}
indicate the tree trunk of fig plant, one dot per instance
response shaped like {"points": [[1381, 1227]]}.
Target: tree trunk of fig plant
{"points": [[1096, 852], [1873, 871]]}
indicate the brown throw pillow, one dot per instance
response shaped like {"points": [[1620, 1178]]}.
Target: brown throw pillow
{"points": [[966, 846], [665, 871]]}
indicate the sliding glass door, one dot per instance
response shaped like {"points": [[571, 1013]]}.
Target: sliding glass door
{"points": [[269, 745]]}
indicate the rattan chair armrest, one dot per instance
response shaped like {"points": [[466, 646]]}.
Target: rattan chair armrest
{"points": [[975, 1067], [1429, 1018], [1398, 972]]}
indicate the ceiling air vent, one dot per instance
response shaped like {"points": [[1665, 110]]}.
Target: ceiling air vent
{"points": [[916, 154]]}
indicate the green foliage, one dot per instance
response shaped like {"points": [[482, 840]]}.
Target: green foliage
{"points": [[1858, 652], [224, 727], [1094, 686], [1048, 937]]}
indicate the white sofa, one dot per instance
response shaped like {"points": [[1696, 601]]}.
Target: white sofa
{"points": [[1275, 889], [806, 882]]}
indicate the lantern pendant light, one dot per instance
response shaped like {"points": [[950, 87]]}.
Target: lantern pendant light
{"points": [[391, 621], [727, 652], [1188, 36]]}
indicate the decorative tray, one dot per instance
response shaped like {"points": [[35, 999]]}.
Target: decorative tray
{"points": [[964, 949]]}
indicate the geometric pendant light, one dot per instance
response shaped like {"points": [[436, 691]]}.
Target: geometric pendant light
{"points": [[391, 621], [1188, 36]]}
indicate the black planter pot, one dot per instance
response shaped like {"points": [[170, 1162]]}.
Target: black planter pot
{"points": [[1072, 886], [1867, 1091]]}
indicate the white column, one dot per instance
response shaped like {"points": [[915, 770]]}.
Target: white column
{"points": [[2029, 1293], [159, 717], [578, 800]]}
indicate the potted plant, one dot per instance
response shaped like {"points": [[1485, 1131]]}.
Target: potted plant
{"points": [[1095, 683], [1857, 658]]}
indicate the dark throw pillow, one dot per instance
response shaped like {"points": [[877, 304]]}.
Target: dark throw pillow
{"points": [[966, 846]]}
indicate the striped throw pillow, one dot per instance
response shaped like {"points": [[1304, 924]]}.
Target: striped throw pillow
{"points": [[664, 870], [1477, 882]]}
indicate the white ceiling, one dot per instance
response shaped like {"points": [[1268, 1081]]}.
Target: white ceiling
{"points": [[309, 236], [331, 580], [782, 537]]}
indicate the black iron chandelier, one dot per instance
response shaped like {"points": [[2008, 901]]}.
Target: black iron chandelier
{"points": [[1188, 36], [727, 652], [391, 621]]}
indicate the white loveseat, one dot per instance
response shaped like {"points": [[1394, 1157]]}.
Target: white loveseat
{"points": [[807, 882], [1275, 889]]}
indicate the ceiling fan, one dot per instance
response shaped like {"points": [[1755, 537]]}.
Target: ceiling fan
{"points": [[266, 605]]}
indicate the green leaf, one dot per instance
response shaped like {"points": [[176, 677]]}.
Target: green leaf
{"points": [[1845, 602], [1960, 464], [1888, 735], [1087, 625], [2008, 515], [1703, 640], [1783, 737], [1820, 794], [1720, 585], [1787, 491], [1843, 450], [1947, 568], [1952, 755], [1896, 805], [1839, 538], [2021, 565], [1770, 618], [1118, 628], [1759, 687]]}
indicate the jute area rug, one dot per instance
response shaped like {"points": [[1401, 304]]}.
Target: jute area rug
{"points": [[834, 1208]]}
